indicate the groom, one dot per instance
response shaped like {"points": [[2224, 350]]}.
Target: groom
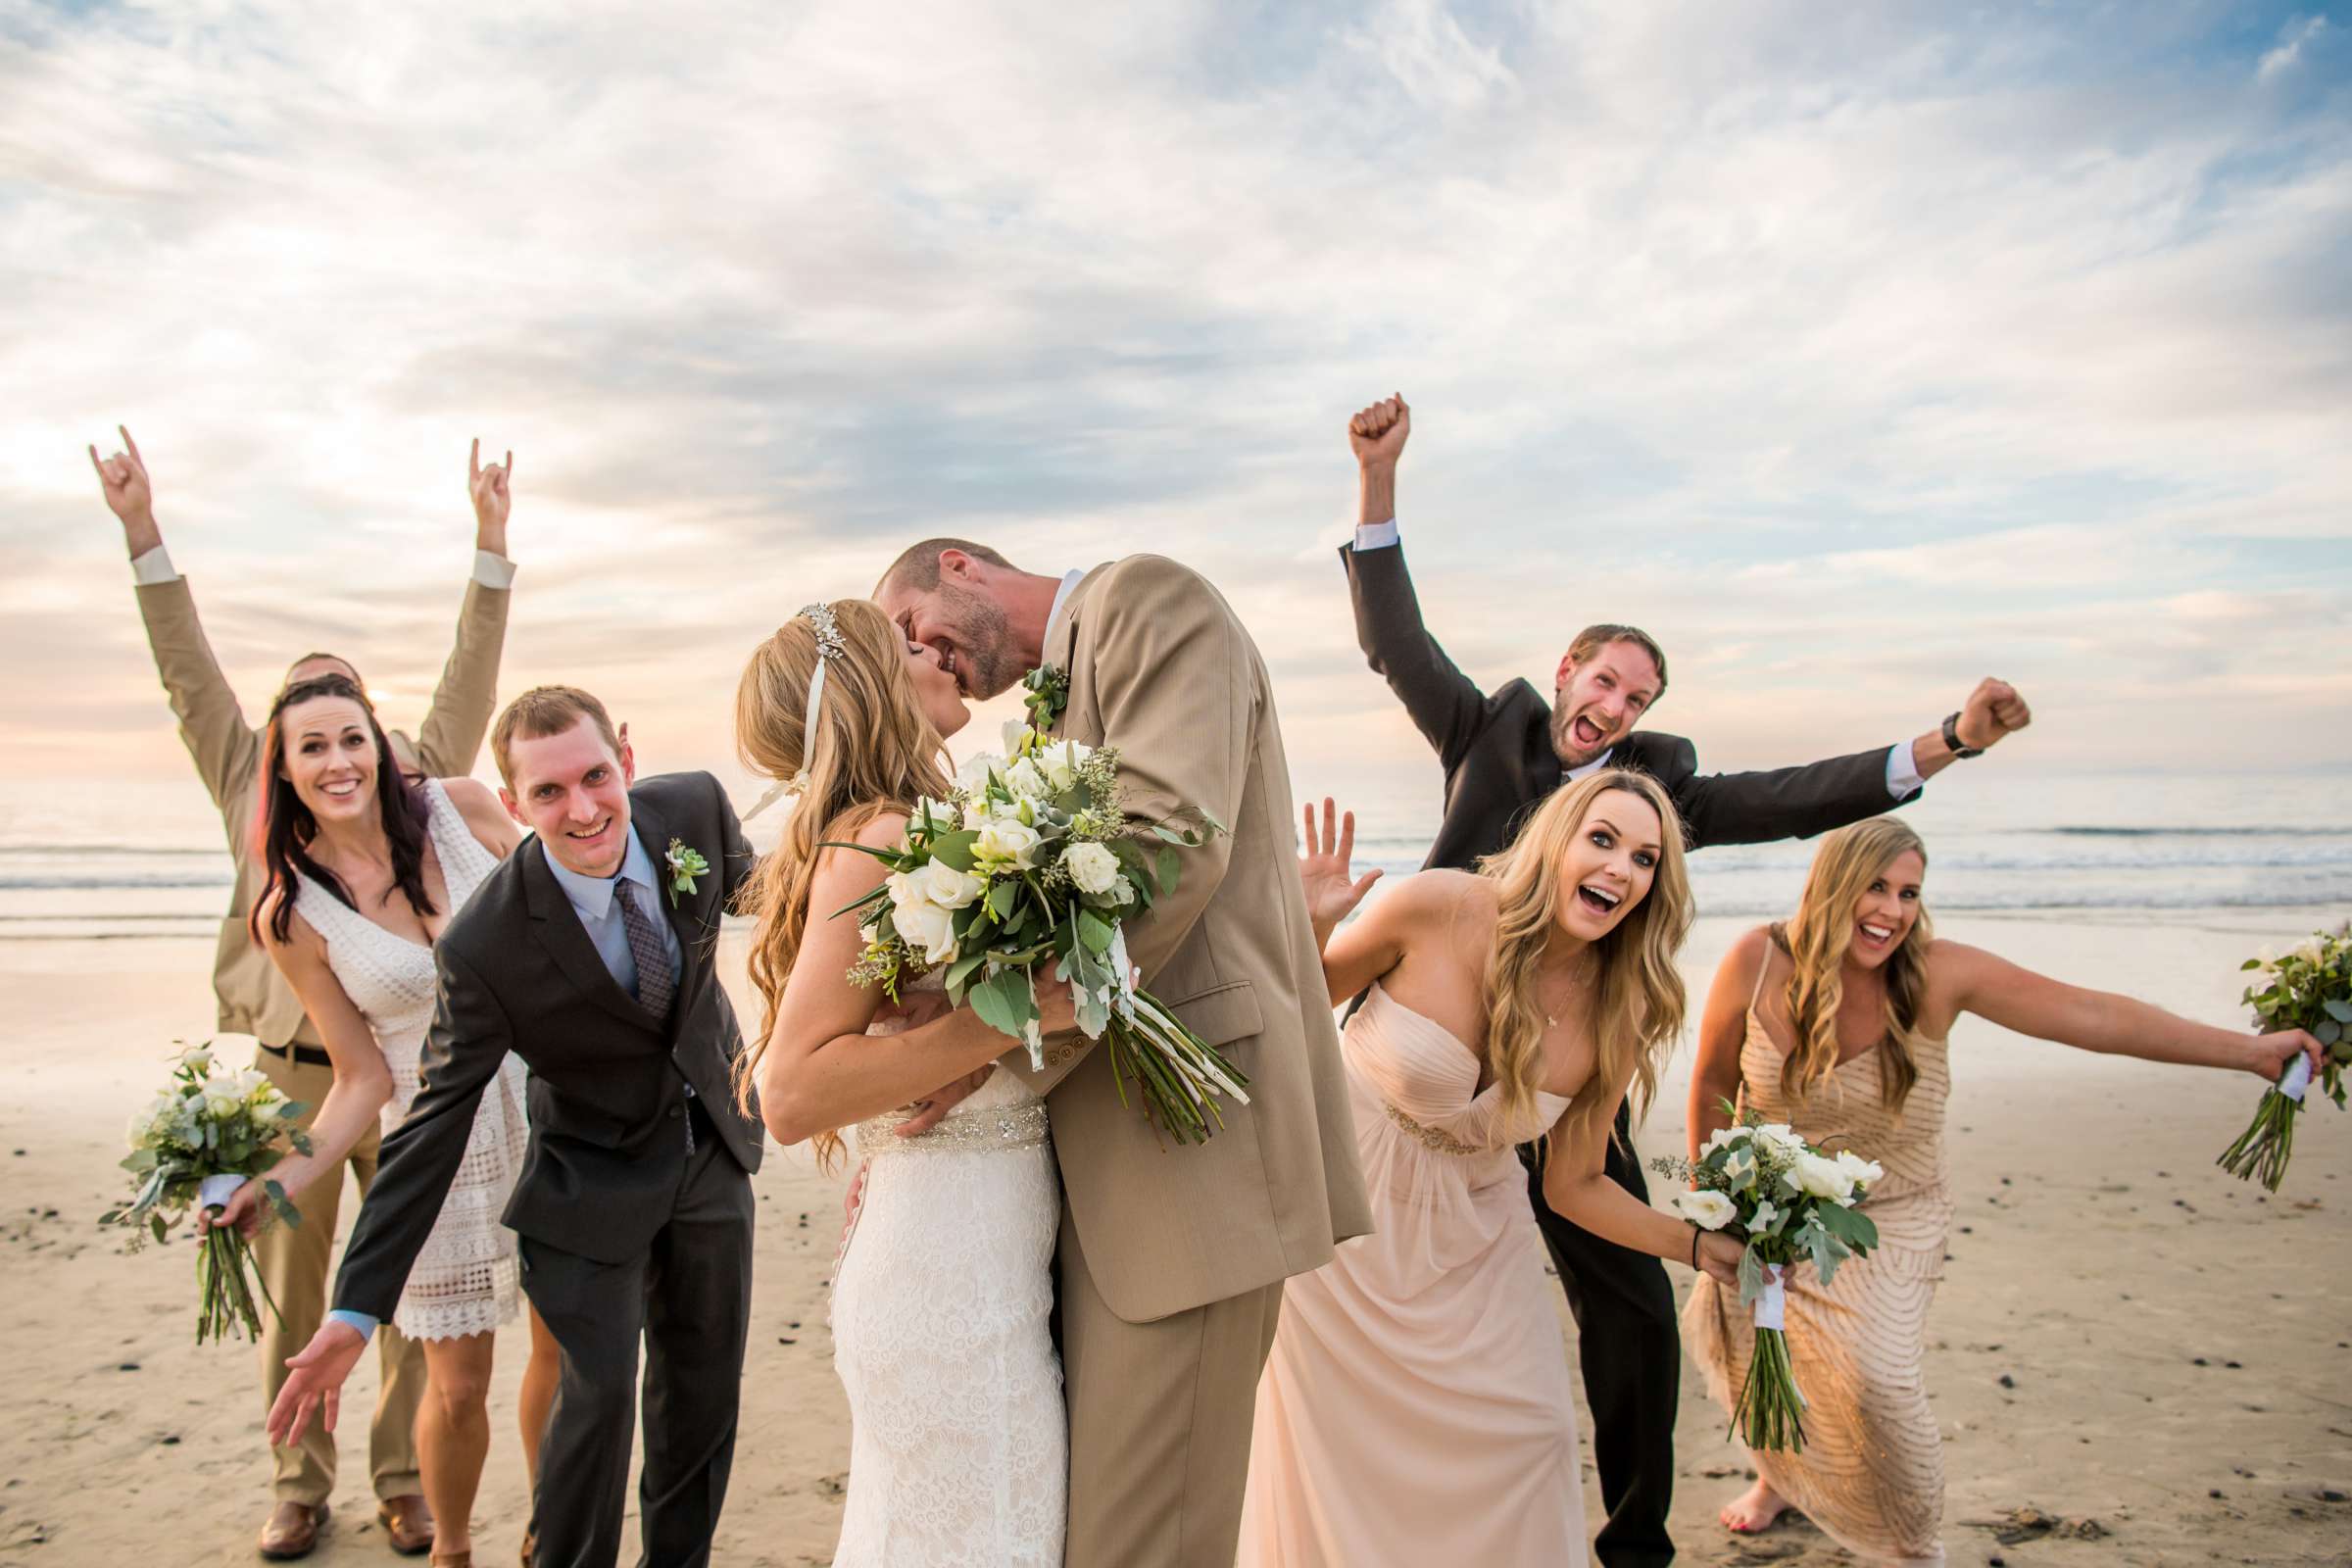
{"points": [[1171, 1259], [590, 954]]}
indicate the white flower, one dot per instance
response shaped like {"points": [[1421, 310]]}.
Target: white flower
{"points": [[1005, 841], [942, 813], [1861, 1171], [1091, 866], [974, 775], [936, 882], [199, 1058], [1016, 734], [2312, 952], [1709, 1211], [1024, 778], [1721, 1138], [928, 929], [1779, 1140], [1817, 1177], [1060, 761], [221, 1099]]}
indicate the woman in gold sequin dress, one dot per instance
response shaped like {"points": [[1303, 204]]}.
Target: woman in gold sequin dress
{"points": [[1837, 1024], [1418, 1405]]}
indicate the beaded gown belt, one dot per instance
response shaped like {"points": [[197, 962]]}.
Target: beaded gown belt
{"points": [[1021, 1126], [1428, 1137]]}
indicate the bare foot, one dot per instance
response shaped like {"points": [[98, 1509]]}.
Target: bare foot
{"points": [[1753, 1511]]}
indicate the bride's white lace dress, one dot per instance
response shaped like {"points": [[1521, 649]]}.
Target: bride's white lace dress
{"points": [[465, 1279], [959, 1449]]}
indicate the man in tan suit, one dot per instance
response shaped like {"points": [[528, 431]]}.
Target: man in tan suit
{"points": [[255, 1000], [1171, 1259]]}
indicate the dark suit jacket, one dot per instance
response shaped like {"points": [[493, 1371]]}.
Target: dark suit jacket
{"points": [[1499, 765], [607, 1098]]}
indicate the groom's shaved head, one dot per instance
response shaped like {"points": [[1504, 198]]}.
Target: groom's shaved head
{"points": [[916, 571]]}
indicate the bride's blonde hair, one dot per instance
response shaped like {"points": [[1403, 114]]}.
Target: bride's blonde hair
{"points": [[1637, 1007], [875, 751]]}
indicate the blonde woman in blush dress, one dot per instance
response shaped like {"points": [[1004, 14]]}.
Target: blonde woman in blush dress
{"points": [[1837, 1023], [1418, 1407]]}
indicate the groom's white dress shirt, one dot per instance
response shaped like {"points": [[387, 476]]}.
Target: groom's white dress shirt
{"points": [[1902, 774]]}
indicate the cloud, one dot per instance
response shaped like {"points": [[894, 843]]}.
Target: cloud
{"points": [[1857, 356]]}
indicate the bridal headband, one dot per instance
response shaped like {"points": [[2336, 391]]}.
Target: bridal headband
{"points": [[829, 647]]}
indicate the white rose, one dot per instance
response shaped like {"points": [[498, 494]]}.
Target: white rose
{"points": [[1709, 1211], [1862, 1171], [974, 775], [221, 1101], [942, 884], [1060, 761], [1721, 1138], [928, 929], [1024, 779], [1008, 842], [1091, 866], [1817, 1177]]}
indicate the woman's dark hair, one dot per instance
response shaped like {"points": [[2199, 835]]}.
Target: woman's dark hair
{"points": [[283, 828]]}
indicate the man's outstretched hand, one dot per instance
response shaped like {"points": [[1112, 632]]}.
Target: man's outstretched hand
{"points": [[316, 1381], [492, 489], [1992, 711]]}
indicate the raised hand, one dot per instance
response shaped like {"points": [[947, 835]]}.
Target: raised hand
{"points": [[1993, 710], [314, 1383], [1377, 434], [124, 479], [491, 489], [1323, 870]]}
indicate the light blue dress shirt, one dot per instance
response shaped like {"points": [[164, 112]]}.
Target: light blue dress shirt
{"points": [[592, 899]]}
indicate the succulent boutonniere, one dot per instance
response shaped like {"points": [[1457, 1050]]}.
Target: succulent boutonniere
{"points": [[1049, 688], [685, 864]]}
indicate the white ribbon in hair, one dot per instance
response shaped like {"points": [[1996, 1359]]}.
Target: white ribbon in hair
{"points": [[829, 647]]}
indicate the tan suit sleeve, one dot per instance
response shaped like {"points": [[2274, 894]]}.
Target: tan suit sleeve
{"points": [[1174, 681], [226, 748], [450, 740]]}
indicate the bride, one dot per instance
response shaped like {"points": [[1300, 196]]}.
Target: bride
{"points": [[941, 1299]]}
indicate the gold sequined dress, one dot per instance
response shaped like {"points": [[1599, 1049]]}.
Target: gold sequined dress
{"points": [[1418, 1407], [1871, 1473]]}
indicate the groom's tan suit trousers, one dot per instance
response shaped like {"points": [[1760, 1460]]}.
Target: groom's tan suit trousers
{"points": [[255, 1000], [1172, 1258]]}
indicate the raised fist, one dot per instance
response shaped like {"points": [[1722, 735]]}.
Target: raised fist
{"points": [[1993, 710], [1377, 434]]}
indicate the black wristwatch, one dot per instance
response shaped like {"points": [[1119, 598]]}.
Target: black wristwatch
{"points": [[1951, 737]]}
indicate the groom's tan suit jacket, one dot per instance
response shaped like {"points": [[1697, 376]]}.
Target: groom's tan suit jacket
{"points": [[255, 999], [1160, 667]]}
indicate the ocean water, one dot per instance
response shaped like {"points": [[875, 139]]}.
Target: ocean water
{"points": [[121, 860]]}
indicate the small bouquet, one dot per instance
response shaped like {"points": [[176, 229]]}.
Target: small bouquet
{"points": [[1789, 1201], [2310, 988], [197, 1143], [1029, 862]]}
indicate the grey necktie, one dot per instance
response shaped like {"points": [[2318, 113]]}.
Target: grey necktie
{"points": [[656, 987]]}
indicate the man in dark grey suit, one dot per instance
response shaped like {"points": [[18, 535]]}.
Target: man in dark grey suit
{"points": [[590, 954], [1503, 754]]}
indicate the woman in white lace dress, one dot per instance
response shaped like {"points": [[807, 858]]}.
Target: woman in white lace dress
{"points": [[365, 869], [941, 1298]]}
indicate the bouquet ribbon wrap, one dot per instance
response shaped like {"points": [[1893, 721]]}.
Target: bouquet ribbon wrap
{"points": [[215, 1191], [2296, 1079], [1771, 1304]]}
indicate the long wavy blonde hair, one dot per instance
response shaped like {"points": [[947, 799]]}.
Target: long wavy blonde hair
{"points": [[876, 750], [1817, 941], [1637, 1007]]}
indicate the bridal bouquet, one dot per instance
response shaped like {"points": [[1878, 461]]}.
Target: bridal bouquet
{"points": [[197, 1143], [2310, 988], [1788, 1201], [1029, 863]]}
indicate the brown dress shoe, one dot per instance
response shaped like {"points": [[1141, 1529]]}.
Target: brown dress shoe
{"points": [[408, 1524], [292, 1530]]}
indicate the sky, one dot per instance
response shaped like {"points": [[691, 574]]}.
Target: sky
{"points": [[1854, 353]]}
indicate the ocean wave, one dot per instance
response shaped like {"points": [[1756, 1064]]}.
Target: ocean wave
{"points": [[2099, 832], [89, 884]]}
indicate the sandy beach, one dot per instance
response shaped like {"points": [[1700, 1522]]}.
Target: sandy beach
{"points": [[2130, 1346]]}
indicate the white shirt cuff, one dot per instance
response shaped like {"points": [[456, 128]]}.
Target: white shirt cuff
{"points": [[490, 570], [1376, 535], [153, 568], [1903, 776]]}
